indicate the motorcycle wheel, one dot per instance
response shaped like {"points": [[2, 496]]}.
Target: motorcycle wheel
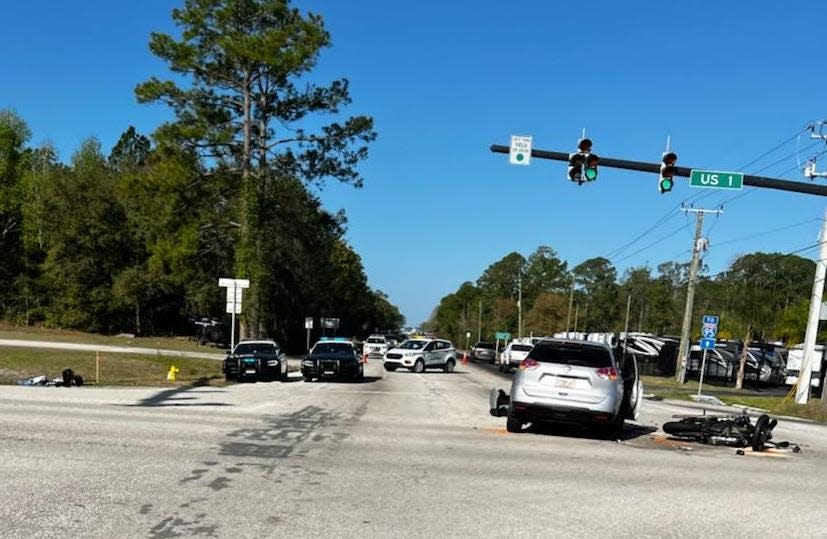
{"points": [[760, 435]]}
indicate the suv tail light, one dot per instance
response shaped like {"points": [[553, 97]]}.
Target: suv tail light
{"points": [[609, 373], [528, 363]]}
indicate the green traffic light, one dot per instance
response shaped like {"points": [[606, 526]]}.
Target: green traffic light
{"points": [[591, 174], [665, 185]]}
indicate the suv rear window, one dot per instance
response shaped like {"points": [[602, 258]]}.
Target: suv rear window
{"points": [[486, 345], [521, 347], [582, 355]]}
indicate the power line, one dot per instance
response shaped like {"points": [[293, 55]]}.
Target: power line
{"points": [[764, 233], [650, 245]]}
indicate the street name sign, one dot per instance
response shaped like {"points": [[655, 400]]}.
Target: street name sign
{"points": [[520, 151], [716, 180], [503, 335]]}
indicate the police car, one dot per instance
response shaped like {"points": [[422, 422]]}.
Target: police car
{"points": [[333, 359], [255, 360]]}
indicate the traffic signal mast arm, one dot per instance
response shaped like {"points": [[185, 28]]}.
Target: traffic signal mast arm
{"points": [[754, 181]]}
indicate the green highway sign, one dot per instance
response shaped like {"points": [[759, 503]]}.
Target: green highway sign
{"points": [[716, 180], [503, 335]]}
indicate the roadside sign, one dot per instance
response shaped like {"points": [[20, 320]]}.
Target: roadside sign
{"points": [[503, 335], [308, 322], [707, 344], [716, 180], [520, 151], [233, 308], [330, 323], [709, 319], [467, 334]]}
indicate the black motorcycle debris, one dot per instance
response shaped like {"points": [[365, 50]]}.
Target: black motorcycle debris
{"points": [[728, 430]]}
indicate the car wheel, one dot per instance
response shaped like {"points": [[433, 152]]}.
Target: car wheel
{"points": [[449, 367], [513, 424], [361, 374], [419, 366], [307, 378]]}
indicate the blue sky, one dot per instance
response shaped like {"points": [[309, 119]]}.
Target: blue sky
{"points": [[445, 80]]}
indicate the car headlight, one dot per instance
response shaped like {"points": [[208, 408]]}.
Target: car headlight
{"points": [[308, 363]]}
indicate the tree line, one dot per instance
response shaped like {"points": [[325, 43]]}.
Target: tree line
{"points": [[136, 238], [759, 296]]}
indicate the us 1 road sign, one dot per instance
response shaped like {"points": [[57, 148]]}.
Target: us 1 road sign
{"points": [[716, 180], [520, 152], [707, 344]]}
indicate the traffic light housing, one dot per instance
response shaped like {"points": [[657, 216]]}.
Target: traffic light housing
{"points": [[667, 172], [590, 170], [583, 164], [576, 161]]}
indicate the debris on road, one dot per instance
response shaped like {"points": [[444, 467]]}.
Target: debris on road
{"points": [[730, 430], [67, 378]]}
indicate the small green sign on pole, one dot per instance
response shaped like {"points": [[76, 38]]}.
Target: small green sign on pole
{"points": [[503, 335], [712, 179]]}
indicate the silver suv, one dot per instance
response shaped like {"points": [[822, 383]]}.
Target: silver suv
{"points": [[420, 354], [574, 382]]}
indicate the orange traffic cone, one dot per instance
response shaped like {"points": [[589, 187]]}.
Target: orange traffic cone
{"points": [[366, 358], [465, 358]]}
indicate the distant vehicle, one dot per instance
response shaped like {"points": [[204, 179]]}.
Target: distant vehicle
{"points": [[720, 363], [484, 351], [255, 360], [420, 354], [210, 331], [513, 355], [333, 359], [376, 346], [575, 382], [795, 360]]}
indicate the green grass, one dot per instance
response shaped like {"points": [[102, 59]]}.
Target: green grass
{"points": [[115, 369], [813, 410], [669, 388], [8, 331]]}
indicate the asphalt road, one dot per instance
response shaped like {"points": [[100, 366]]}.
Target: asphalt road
{"points": [[402, 455]]}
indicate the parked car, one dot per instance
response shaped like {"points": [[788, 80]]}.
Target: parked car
{"points": [[255, 360], [333, 359], [484, 351], [420, 354], [513, 355], [575, 382]]}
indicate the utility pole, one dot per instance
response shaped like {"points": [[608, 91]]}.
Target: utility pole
{"points": [[479, 323], [698, 245], [520, 308], [576, 313], [571, 301], [802, 392], [626, 329]]}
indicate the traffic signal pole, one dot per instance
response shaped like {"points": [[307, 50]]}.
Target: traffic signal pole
{"points": [[684, 172]]}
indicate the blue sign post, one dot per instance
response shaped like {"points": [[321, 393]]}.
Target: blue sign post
{"points": [[709, 330]]}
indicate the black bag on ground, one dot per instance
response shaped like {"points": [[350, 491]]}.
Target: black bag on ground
{"points": [[68, 377]]}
